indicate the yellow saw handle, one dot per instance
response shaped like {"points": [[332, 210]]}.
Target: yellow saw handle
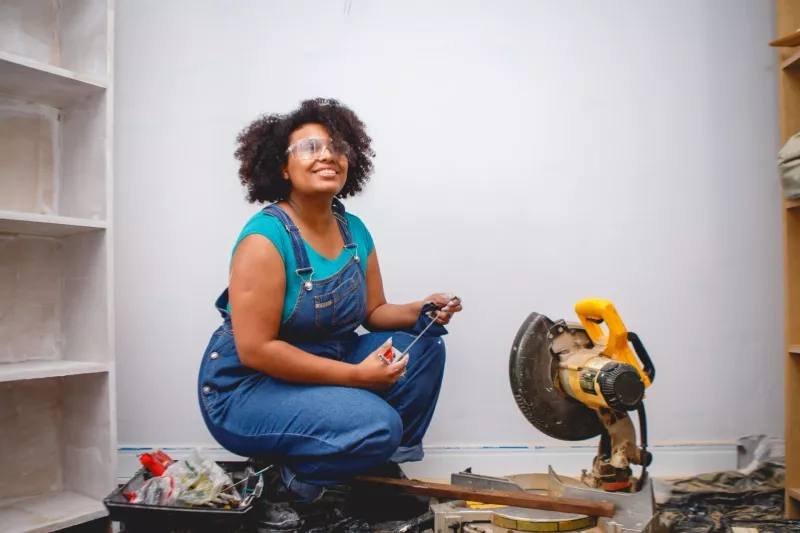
{"points": [[594, 311]]}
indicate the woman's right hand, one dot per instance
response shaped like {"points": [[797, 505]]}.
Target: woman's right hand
{"points": [[373, 373]]}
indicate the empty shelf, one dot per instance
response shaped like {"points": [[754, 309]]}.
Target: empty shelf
{"points": [[49, 512], [31, 81], [45, 225], [47, 369]]}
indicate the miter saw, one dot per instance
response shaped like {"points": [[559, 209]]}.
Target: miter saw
{"points": [[574, 381]]}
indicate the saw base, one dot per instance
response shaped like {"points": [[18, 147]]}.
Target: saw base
{"points": [[635, 512]]}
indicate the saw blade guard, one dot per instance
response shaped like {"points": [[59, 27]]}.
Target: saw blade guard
{"points": [[533, 373]]}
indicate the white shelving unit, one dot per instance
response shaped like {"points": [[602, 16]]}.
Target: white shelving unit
{"points": [[57, 398]]}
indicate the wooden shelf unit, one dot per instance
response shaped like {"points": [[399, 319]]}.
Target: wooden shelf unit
{"points": [[57, 397], [787, 45]]}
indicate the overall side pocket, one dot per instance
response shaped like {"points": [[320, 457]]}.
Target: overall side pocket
{"points": [[212, 376]]}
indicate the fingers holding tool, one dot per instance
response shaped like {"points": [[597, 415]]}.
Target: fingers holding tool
{"points": [[397, 360], [382, 367], [450, 303]]}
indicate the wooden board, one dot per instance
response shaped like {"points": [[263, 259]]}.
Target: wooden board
{"points": [[787, 41], [45, 225], [30, 81], [792, 62], [517, 499], [47, 369]]}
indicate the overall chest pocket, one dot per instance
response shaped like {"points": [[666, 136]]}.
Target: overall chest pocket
{"points": [[341, 308]]}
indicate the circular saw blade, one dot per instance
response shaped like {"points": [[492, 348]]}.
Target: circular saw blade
{"points": [[521, 519], [533, 370]]}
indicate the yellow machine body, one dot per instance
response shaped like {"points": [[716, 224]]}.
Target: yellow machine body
{"points": [[576, 380], [582, 367]]}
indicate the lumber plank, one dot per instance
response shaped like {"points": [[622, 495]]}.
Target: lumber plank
{"points": [[517, 499]]}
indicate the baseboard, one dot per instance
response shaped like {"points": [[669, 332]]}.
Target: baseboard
{"points": [[669, 460]]}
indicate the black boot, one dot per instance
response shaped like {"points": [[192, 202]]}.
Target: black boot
{"points": [[284, 511], [388, 469], [376, 502]]}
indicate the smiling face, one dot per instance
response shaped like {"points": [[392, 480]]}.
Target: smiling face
{"points": [[316, 164]]}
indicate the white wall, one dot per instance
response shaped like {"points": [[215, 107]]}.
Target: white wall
{"points": [[530, 154]]}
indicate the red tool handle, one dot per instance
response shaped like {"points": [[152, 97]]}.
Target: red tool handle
{"points": [[156, 462]]}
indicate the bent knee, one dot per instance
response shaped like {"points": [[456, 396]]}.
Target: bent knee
{"points": [[385, 435], [390, 430], [437, 352]]}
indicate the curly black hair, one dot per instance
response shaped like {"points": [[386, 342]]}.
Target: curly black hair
{"points": [[262, 148]]}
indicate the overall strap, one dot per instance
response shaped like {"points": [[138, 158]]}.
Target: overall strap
{"points": [[338, 212], [300, 255]]}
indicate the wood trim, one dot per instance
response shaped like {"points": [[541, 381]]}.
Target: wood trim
{"points": [[787, 14]]}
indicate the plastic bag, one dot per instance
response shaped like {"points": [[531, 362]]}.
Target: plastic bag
{"points": [[193, 481], [155, 491], [201, 480]]}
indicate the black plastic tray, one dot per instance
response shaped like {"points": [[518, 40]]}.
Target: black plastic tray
{"points": [[162, 517]]}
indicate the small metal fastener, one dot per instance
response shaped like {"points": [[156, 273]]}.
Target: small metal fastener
{"points": [[308, 285], [214, 355], [358, 259], [206, 389]]}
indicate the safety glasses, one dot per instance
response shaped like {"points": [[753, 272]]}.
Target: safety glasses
{"points": [[313, 148]]}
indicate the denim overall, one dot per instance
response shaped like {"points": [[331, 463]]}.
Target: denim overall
{"points": [[322, 435]]}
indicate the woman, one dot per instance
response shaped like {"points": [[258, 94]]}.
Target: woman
{"points": [[286, 377]]}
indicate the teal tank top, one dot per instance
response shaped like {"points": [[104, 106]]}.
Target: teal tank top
{"points": [[271, 228]]}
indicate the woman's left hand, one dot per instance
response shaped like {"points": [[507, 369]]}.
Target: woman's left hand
{"points": [[443, 299]]}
